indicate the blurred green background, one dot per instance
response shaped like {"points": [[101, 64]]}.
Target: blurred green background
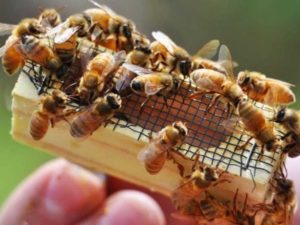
{"points": [[262, 35]]}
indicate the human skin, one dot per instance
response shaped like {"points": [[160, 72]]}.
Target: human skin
{"points": [[64, 194]]}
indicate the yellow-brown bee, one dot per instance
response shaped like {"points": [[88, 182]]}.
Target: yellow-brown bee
{"points": [[49, 18], [266, 90], [149, 83], [258, 126], [93, 80], [51, 109], [281, 210], [211, 81], [156, 152], [165, 53], [290, 120], [14, 52], [102, 110], [110, 29], [140, 54], [193, 187]]}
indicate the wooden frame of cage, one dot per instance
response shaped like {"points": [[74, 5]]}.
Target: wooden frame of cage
{"points": [[114, 149]]}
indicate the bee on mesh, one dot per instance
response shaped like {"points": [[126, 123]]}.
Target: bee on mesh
{"points": [[52, 108], [289, 119], [167, 56], [161, 145], [87, 121]]}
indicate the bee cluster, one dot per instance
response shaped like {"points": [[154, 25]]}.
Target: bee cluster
{"points": [[96, 65]]}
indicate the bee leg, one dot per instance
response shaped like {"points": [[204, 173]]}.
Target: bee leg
{"points": [[224, 180], [45, 83], [179, 166], [287, 135], [166, 101], [262, 152], [213, 101], [52, 122], [196, 95], [243, 146], [143, 105]]}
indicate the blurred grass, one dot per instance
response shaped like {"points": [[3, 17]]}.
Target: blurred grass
{"points": [[262, 35], [16, 160]]}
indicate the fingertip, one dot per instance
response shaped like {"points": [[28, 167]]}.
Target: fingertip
{"points": [[129, 208], [57, 193]]}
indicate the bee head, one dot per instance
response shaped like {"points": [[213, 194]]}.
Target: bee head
{"points": [[51, 16], [143, 49], [35, 28], [280, 115], [79, 20], [283, 185], [185, 66], [126, 30], [273, 144], [182, 129], [137, 85], [244, 78], [59, 97], [210, 174], [114, 100]]}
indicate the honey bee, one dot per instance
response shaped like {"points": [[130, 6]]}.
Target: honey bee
{"points": [[49, 18], [211, 81], [160, 145], [102, 110], [167, 54], [258, 126], [108, 28], [12, 53], [149, 83], [266, 90], [140, 55], [37, 51], [284, 204], [51, 110], [290, 120], [193, 187], [92, 82]]}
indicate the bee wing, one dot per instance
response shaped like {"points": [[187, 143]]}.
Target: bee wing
{"points": [[105, 8], [10, 41], [2, 50], [147, 153], [6, 29], [233, 125], [136, 69], [164, 40], [152, 88], [97, 31], [280, 81], [225, 60], [59, 28], [119, 57], [208, 50], [64, 36], [124, 81]]}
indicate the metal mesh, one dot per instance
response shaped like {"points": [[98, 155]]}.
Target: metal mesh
{"points": [[207, 135]]}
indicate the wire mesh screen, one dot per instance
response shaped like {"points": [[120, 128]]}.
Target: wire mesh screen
{"points": [[207, 137]]}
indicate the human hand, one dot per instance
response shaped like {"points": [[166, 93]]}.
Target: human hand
{"points": [[60, 193]]}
